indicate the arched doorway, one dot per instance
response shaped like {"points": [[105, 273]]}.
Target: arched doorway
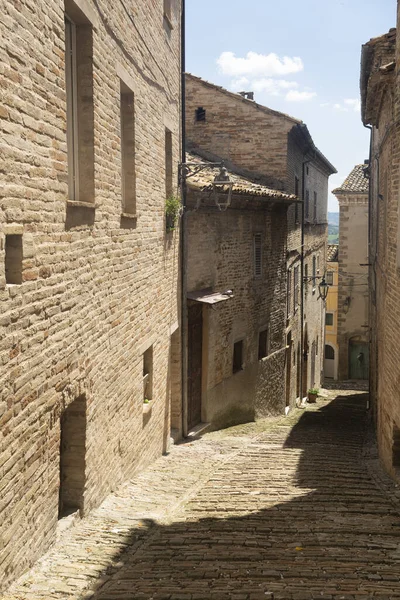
{"points": [[329, 362]]}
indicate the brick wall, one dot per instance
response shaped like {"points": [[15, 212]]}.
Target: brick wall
{"points": [[221, 257], [270, 147], [97, 288]]}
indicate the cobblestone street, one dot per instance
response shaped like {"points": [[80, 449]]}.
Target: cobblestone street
{"points": [[288, 508]]}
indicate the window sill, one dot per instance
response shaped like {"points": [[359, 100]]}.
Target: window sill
{"points": [[125, 215], [78, 204]]}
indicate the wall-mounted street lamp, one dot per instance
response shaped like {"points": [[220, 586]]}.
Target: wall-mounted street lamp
{"points": [[220, 183], [323, 287]]}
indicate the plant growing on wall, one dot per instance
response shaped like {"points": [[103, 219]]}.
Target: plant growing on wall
{"points": [[172, 210]]}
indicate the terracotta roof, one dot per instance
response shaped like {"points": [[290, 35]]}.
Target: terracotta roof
{"points": [[203, 181], [355, 182], [332, 253]]}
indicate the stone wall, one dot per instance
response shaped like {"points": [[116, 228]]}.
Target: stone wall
{"points": [[85, 289], [353, 276], [270, 147], [221, 257]]}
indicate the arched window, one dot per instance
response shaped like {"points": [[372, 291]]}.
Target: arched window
{"points": [[329, 352]]}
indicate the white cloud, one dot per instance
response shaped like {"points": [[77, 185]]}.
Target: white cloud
{"points": [[296, 96], [354, 103], [240, 84], [325, 104], [258, 65], [340, 108], [273, 87]]}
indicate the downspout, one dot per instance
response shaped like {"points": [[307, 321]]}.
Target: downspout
{"points": [[371, 266], [183, 252]]}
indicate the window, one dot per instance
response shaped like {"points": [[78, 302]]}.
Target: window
{"points": [[329, 319], [315, 206], [305, 279], [329, 352], [237, 356], [396, 446], [263, 344], [168, 11], [128, 179], [296, 206], [257, 241], [80, 110], [200, 114], [13, 259], [296, 287], [289, 292], [329, 278], [168, 163], [72, 457], [314, 272], [307, 207], [148, 374]]}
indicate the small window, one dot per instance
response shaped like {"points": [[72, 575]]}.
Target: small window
{"points": [[168, 11], [329, 278], [127, 117], [200, 114], [237, 356], [13, 259], [329, 352], [168, 164], [289, 291], [314, 271], [307, 207], [396, 446], [148, 374], [315, 206], [296, 287], [263, 344], [257, 255], [329, 319], [306, 279]]}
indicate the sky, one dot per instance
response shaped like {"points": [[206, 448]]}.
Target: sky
{"points": [[299, 57]]}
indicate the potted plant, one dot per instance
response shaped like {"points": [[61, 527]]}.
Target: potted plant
{"points": [[172, 210], [312, 394]]}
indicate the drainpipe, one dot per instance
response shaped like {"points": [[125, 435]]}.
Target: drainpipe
{"points": [[183, 240], [371, 266]]}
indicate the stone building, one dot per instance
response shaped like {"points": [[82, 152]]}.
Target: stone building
{"points": [[276, 151], [90, 137], [236, 265], [352, 316], [380, 109], [331, 351]]}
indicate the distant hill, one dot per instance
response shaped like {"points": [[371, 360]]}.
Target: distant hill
{"points": [[333, 227]]}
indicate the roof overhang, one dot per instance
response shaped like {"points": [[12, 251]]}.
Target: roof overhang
{"points": [[207, 296]]}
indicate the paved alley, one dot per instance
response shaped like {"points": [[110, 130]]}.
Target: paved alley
{"points": [[292, 508]]}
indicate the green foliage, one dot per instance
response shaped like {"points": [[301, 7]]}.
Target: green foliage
{"points": [[313, 391], [146, 401], [172, 209]]}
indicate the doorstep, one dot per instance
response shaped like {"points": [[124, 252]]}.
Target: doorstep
{"points": [[198, 430]]}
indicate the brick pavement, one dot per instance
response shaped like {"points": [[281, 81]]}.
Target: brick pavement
{"points": [[289, 508]]}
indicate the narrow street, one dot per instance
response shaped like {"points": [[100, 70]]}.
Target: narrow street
{"points": [[289, 508]]}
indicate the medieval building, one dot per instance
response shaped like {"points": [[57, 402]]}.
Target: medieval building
{"points": [[276, 151], [236, 283], [331, 314], [351, 320], [380, 108], [90, 142]]}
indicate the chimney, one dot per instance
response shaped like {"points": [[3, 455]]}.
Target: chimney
{"points": [[247, 95]]}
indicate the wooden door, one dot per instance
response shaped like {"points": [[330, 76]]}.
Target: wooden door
{"points": [[358, 360], [288, 367], [195, 350]]}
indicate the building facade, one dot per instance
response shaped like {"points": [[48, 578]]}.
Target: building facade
{"points": [[236, 315], [90, 129], [380, 108], [331, 351], [352, 316], [277, 151]]}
